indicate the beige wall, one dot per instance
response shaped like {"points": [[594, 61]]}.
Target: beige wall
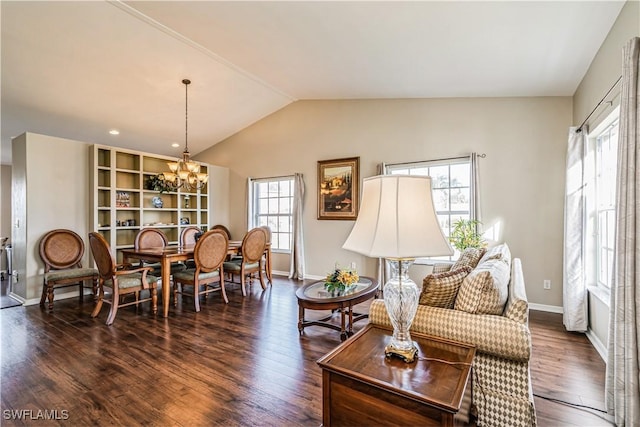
{"points": [[50, 190], [605, 69], [522, 177]]}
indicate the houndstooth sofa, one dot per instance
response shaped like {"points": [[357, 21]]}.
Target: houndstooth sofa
{"points": [[502, 393]]}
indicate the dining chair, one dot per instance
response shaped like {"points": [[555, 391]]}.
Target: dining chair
{"points": [[120, 280], [149, 238], [267, 253], [208, 255], [189, 236], [61, 251], [223, 228], [253, 247]]}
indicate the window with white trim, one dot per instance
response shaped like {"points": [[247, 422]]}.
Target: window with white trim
{"points": [[272, 205], [606, 156], [451, 187]]}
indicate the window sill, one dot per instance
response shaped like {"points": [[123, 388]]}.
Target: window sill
{"points": [[604, 295]]}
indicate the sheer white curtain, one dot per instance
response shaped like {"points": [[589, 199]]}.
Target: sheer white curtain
{"points": [[297, 266], [574, 289], [476, 213], [623, 373]]}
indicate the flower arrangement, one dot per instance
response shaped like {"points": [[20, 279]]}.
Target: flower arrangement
{"points": [[341, 280], [158, 183]]}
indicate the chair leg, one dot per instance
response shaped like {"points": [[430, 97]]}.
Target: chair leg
{"points": [[43, 298], [81, 291], [94, 288], [260, 275], [99, 298], [196, 296], [175, 293], [50, 296], [154, 300], [224, 292]]}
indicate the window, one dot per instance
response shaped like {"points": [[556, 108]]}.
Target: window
{"points": [[606, 148], [451, 186], [272, 205]]}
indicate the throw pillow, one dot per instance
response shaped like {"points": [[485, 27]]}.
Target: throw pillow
{"points": [[500, 251], [440, 290], [469, 258], [486, 289]]}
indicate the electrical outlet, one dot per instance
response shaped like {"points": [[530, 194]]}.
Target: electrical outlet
{"points": [[547, 284], [353, 265]]}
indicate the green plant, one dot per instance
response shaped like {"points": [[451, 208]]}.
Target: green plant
{"points": [[158, 183], [340, 280], [465, 235]]}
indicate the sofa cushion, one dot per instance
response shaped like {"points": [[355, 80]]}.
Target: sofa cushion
{"points": [[440, 290], [469, 258], [486, 289]]}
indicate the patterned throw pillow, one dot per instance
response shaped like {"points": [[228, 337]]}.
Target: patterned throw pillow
{"points": [[440, 290], [486, 289], [500, 251], [469, 258]]}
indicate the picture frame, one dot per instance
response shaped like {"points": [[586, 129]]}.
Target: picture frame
{"points": [[339, 189]]}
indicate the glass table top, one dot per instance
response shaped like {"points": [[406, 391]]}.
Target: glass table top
{"points": [[318, 291]]}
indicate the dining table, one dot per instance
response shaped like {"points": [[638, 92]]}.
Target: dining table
{"points": [[170, 254]]}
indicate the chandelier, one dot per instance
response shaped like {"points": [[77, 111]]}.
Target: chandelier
{"points": [[185, 172]]}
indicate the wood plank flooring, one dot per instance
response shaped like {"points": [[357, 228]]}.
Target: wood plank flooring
{"points": [[236, 364]]}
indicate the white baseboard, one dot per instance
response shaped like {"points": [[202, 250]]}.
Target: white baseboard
{"points": [[57, 297], [597, 344], [547, 308]]}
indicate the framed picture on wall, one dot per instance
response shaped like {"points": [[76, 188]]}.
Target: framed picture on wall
{"points": [[338, 188]]}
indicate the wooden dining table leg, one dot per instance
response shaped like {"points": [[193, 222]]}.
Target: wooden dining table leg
{"points": [[166, 286]]}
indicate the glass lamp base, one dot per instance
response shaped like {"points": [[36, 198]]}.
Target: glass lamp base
{"points": [[408, 355]]}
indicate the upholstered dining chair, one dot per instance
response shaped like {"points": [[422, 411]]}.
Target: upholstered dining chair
{"points": [[267, 253], [189, 236], [208, 255], [120, 280], [61, 251], [253, 247], [148, 238], [223, 228]]}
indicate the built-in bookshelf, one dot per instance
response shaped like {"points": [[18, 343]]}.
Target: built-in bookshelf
{"points": [[123, 204]]}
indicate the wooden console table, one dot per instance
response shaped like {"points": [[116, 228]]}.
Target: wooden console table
{"points": [[360, 386]]}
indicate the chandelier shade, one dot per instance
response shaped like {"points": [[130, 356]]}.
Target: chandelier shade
{"points": [[185, 173]]}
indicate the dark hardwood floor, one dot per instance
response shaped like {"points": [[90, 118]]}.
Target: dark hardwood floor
{"points": [[235, 364]]}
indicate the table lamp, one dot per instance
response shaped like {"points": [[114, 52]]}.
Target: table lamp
{"points": [[397, 221]]}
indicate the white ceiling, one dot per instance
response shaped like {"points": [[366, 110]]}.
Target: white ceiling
{"points": [[77, 69]]}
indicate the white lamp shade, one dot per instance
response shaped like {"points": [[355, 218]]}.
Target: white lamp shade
{"points": [[397, 219]]}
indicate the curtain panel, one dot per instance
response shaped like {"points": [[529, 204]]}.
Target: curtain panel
{"points": [[297, 265], [623, 373], [574, 289]]}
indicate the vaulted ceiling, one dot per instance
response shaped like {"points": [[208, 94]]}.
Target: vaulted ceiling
{"points": [[79, 69]]}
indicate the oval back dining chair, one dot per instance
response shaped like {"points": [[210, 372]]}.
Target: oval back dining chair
{"points": [[188, 235], [223, 228], [121, 282], [61, 251], [267, 253], [149, 238], [208, 256], [253, 247]]}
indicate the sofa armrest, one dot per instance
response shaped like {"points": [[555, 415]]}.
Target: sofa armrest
{"points": [[491, 334]]}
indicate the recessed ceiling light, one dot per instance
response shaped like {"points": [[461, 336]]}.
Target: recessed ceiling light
{"points": [[175, 144], [114, 132]]}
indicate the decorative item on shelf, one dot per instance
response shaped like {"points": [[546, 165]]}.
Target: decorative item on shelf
{"points": [[157, 202], [123, 199], [158, 183], [341, 281], [398, 221], [186, 201], [185, 172], [184, 221], [466, 234]]}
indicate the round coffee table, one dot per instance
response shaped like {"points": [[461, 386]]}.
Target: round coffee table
{"points": [[313, 296]]}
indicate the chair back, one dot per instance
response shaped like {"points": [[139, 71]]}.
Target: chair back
{"points": [[211, 250], [150, 238], [253, 245], [61, 249], [267, 230], [102, 255], [223, 228], [188, 235]]}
